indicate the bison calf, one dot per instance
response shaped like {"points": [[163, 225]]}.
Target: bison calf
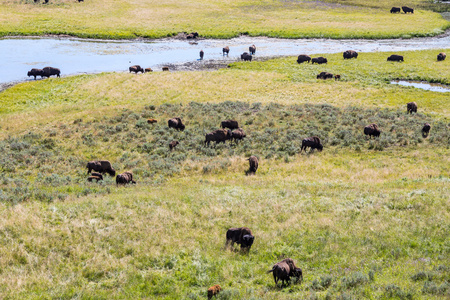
{"points": [[241, 236], [147, 70], [337, 77], [411, 107], [151, 121], [426, 129], [90, 178], [213, 291], [173, 144]]}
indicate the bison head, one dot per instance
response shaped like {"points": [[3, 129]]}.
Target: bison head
{"points": [[320, 147], [247, 240]]}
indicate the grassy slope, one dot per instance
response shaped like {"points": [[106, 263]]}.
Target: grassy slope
{"points": [[362, 223], [221, 19]]}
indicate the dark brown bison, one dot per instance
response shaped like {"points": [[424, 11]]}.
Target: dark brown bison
{"points": [[319, 60], [173, 144], [313, 142], [237, 135], [125, 178], [165, 68], [35, 72], [218, 136], [350, 54], [426, 129], [337, 77], [395, 57], [407, 9], [152, 121], [241, 236], [90, 178], [136, 69], [213, 291], [202, 54], [411, 107], [441, 56], [253, 165], [252, 49], [395, 10], [372, 130], [101, 166], [192, 35], [176, 123], [325, 75], [96, 174], [231, 124], [225, 50], [246, 57], [302, 58], [50, 71], [284, 270], [147, 70]]}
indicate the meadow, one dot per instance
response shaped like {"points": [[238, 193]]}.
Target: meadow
{"points": [[127, 19], [364, 218]]}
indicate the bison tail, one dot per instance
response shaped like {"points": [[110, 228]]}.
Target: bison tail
{"points": [[271, 270]]}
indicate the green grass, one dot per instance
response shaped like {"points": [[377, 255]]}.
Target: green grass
{"points": [[364, 219], [219, 19]]}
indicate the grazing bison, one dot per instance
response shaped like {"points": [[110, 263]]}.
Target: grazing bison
{"points": [[395, 10], [411, 107], [96, 174], [253, 165], [49, 71], [101, 166], [218, 136], [136, 69], [395, 57], [165, 68], [252, 49], [241, 236], [231, 124], [325, 75], [407, 9], [426, 129], [441, 56], [125, 178], [201, 54], [372, 130], [213, 291], [173, 144], [246, 57], [176, 123], [192, 35], [319, 60], [225, 50], [90, 178], [302, 58], [237, 135], [284, 270], [147, 70], [151, 121], [313, 142], [35, 72], [337, 77], [350, 54]]}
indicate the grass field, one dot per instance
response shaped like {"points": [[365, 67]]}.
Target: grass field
{"points": [[364, 219], [127, 19]]}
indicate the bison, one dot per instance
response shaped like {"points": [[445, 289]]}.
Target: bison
{"points": [[201, 54], [213, 291], [101, 166], [253, 165], [325, 75], [231, 124], [246, 57], [313, 142], [302, 58], [173, 144], [151, 121], [395, 57], [350, 54], [176, 123], [372, 130], [237, 135], [241, 236], [35, 72], [218, 136], [136, 69], [407, 9], [426, 129], [90, 178], [147, 70], [441, 56], [319, 60], [225, 50], [395, 10], [192, 35], [337, 77], [96, 174], [50, 71], [411, 107], [125, 178], [165, 68], [285, 269], [252, 49]]}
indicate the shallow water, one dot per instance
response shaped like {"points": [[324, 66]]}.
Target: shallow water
{"points": [[75, 56], [434, 87]]}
